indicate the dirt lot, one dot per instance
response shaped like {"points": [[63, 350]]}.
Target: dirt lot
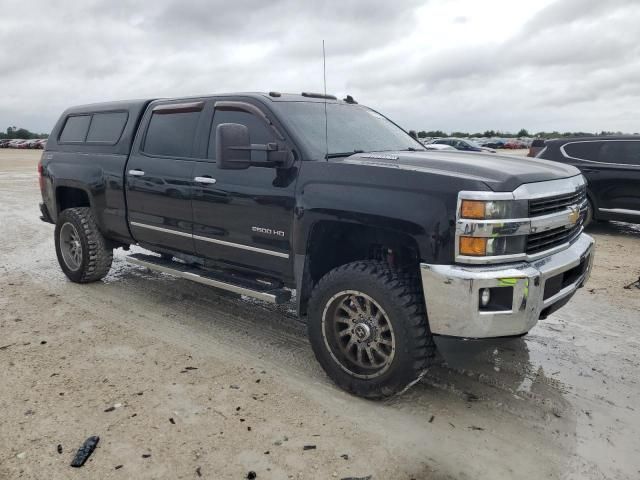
{"points": [[213, 386]]}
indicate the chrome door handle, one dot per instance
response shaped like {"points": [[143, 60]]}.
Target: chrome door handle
{"points": [[205, 180], [136, 173]]}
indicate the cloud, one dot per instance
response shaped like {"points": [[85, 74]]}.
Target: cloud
{"points": [[453, 65]]}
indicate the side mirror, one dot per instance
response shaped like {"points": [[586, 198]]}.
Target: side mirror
{"points": [[233, 146]]}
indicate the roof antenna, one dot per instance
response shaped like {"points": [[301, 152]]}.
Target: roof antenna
{"points": [[326, 121]]}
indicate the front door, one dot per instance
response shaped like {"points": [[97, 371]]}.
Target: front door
{"points": [[159, 177], [243, 218]]}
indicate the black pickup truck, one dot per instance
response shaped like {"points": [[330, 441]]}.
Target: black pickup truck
{"points": [[392, 251]]}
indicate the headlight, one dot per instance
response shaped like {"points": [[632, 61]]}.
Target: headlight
{"points": [[492, 209], [491, 225], [489, 247]]}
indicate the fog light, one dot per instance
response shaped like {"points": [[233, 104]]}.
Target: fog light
{"points": [[485, 296]]}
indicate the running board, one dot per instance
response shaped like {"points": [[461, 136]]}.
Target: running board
{"points": [[182, 270]]}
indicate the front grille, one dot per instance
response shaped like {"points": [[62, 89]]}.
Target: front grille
{"points": [[539, 242], [544, 206]]}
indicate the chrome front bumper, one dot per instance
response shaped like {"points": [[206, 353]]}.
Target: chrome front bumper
{"points": [[452, 292]]}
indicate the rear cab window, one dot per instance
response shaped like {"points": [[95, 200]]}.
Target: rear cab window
{"points": [[97, 127], [75, 129], [107, 127]]}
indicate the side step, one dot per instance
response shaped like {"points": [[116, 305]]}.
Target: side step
{"points": [[267, 293]]}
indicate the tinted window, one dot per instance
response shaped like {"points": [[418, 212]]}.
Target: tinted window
{"points": [[171, 134], [584, 150], [627, 152], [75, 129], [107, 127], [259, 132], [345, 128]]}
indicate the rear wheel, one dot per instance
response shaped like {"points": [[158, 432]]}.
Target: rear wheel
{"points": [[83, 253], [368, 329]]}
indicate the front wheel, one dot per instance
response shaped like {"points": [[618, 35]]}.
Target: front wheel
{"points": [[368, 329], [83, 253]]}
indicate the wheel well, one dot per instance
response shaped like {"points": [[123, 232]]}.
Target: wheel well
{"points": [[332, 244], [70, 197]]}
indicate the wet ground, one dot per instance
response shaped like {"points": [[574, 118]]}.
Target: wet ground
{"points": [[180, 381]]}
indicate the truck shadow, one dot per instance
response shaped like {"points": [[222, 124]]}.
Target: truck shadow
{"points": [[614, 228]]}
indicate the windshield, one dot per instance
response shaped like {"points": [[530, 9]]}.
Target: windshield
{"points": [[350, 128]]}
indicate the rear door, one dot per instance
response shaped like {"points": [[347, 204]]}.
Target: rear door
{"points": [[159, 175], [243, 218]]}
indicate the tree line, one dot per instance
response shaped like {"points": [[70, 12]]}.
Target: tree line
{"points": [[521, 133], [22, 133]]}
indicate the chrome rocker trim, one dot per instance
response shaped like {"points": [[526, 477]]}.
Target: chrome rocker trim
{"points": [[211, 240]]}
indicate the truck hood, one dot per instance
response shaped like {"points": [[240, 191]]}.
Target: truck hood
{"points": [[501, 173]]}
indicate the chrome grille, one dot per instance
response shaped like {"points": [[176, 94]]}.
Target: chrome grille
{"points": [[539, 242], [544, 206]]}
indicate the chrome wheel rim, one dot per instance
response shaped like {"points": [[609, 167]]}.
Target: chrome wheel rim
{"points": [[358, 334], [70, 246]]}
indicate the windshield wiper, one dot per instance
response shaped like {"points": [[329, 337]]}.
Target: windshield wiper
{"points": [[342, 154]]}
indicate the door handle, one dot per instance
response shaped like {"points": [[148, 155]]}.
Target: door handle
{"points": [[205, 180], [136, 172]]}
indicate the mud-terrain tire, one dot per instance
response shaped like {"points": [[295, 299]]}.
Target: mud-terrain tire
{"points": [[373, 290], [83, 253]]}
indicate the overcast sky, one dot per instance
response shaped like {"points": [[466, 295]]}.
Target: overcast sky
{"points": [[436, 64]]}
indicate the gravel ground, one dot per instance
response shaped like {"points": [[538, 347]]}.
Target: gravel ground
{"points": [[180, 381]]}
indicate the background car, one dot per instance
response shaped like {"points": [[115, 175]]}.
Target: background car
{"points": [[536, 147], [611, 166], [438, 146], [494, 143], [515, 144], [462, 144]]}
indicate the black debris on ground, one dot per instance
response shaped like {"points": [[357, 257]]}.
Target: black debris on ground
{"points": [[471, 397], [173, 422], [309, 447], [146, 455], [118, 467], [59, 449], [473, 427], [110, 409], [198, 472], [431, 418], [251, 475], [267, 452], [235, 387], [85, 451], [345, 456], [43, 342], [368, 477]]}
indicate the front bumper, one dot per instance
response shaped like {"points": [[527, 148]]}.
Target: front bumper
{"points": [[452, 292]]}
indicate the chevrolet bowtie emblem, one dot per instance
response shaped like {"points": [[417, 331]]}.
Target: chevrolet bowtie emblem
{"points": [[574, 215]]}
